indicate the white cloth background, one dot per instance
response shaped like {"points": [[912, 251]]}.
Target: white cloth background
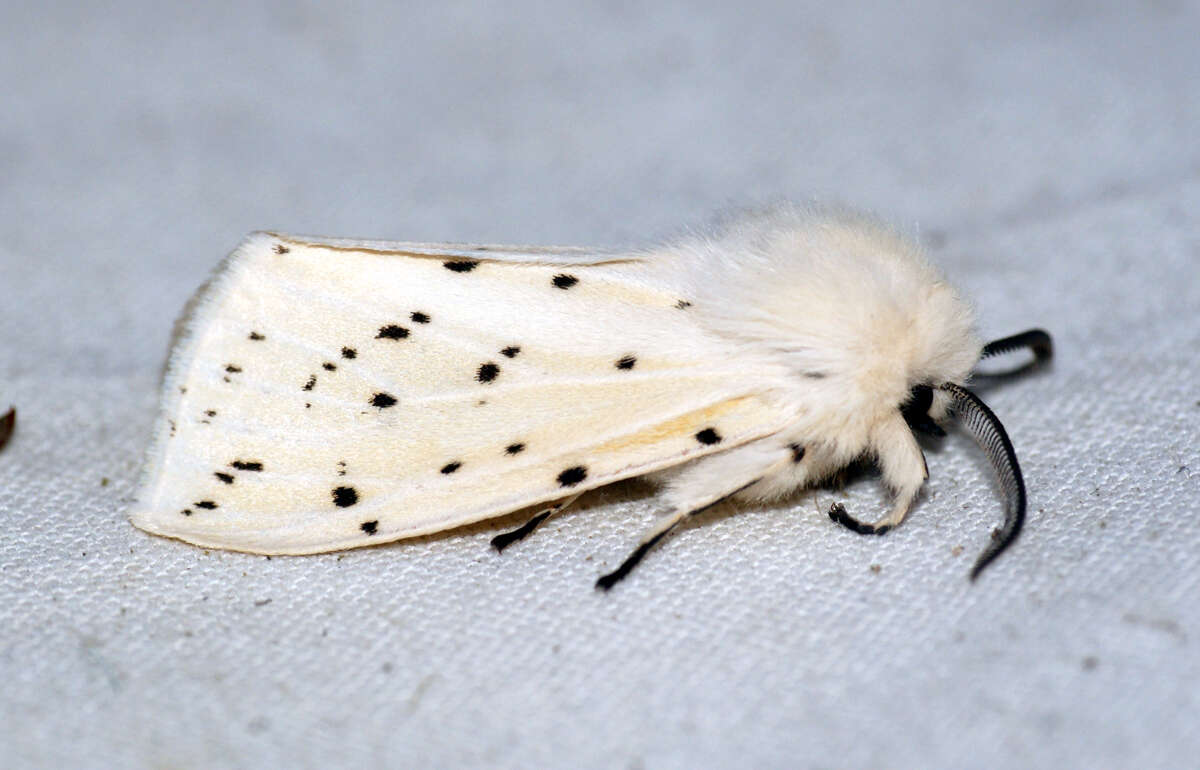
{"points": [[1049, 159]]}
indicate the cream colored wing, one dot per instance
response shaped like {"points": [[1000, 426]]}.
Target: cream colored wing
{"points": [[332, 394]]}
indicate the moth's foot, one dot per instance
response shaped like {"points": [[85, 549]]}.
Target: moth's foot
{"points": [[611, 579], [837, 512]]}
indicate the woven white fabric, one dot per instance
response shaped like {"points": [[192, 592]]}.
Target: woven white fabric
{"points": [[1050, 160]]}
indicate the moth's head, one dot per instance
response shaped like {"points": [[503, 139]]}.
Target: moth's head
{"points": [[914, 343], [943, 350]]}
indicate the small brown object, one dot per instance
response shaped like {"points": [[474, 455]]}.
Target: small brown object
{"points": [[8, 423]]}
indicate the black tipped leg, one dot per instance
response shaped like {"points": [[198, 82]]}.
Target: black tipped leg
{"points": [[608, 581], [837, 512], [505, 539]]}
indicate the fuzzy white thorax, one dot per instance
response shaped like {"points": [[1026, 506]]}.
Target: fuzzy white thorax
{"points": [[853, 313]]}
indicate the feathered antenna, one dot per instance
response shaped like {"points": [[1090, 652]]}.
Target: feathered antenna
{"points": [[987, 430]]}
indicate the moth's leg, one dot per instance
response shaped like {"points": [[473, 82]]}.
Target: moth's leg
{"points": [[505, 539], [700, 486], [904, 471]]}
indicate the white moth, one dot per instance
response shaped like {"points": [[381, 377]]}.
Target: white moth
{"points": [[326, 394]]}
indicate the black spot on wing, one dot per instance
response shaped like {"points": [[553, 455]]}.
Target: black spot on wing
{"points": [[349, 353], [391, 332], [224, 478], [369, 527], [207, 505], [449, 468], [186, 511], [708, 436], [487, 372], [257, 337], [383, 400], [419, 318], [329, 367], [312, 382], [683, 304], [210, 412], [797, 452], [514, 449], [232, 368], [281, 249], [460, 265], [247, 465], [511, 351], [626, 362], [572, 476], [344, 497], [564, 281]]}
